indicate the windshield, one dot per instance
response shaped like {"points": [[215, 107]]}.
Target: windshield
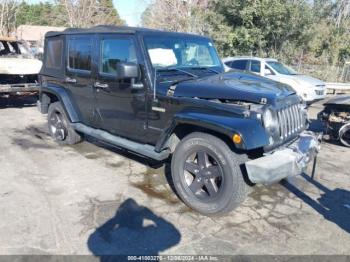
{"points": [[181, 52], [281, 68], [14, 49]]}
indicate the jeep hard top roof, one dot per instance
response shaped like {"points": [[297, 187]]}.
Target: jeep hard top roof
{"points": [[109, 29]]}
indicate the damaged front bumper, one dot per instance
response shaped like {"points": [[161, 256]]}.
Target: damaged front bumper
{"points": [[289, 161], [19, 88]]}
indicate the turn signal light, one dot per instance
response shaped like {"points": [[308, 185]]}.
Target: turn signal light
{"points": [[237, 139]]}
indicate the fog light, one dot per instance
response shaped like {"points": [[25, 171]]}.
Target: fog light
{"points": [[237, 139]]}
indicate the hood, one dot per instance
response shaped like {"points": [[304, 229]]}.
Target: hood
{"points": [[307, 80], [234, 85], [19, 66]]}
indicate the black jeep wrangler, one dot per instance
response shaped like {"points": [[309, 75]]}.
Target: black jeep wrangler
{"points": [[166, 96]]}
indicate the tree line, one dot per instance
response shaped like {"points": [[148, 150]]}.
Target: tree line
{"points": [[66, 13], [296, 31]]}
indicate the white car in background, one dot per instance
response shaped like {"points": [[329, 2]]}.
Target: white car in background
{"points": [[310, 89], [19, 68]]}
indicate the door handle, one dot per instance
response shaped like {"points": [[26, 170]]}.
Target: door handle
{"points": [[70, 80], [102, 86]]}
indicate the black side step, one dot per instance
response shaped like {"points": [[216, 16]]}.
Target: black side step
{"points": [[142, 149]]}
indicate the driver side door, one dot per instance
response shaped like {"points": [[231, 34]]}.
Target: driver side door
{"points": [[120, 107]]}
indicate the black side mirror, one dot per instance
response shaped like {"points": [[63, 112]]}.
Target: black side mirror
{"points": [[127, 70]]}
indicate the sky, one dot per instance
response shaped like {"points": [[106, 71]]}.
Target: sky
{"points": [[129, 10]]}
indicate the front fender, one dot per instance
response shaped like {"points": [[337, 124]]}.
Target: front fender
{"points": [[64, 97], [252, 132]]}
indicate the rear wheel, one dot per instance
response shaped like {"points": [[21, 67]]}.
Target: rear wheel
{"points": [[59, 126], [207, 174]]}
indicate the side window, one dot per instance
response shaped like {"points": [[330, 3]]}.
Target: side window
{"points": [[114, 51], [54, 54], [79, 53], [239, 64], [255, 66]]}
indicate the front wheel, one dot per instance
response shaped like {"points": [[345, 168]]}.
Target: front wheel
{"points": [[207, 174]]}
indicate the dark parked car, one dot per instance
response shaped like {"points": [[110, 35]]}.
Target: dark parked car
{"points": [[165, 96]]}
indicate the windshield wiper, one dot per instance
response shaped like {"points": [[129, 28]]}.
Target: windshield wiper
{"points": [[193, 75], [177, 69], [205, 68]]}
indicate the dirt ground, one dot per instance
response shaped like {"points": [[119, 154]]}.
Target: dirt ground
{"points": [[88, 199]]}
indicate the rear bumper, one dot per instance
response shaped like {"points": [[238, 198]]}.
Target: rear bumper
{"points": [[19, 88], [289, 161]]}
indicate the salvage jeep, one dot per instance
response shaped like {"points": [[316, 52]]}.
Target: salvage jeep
{"points": [[18, 68], [165, 96]]}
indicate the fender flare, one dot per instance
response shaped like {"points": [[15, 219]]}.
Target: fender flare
{"points": [[64, 97], [252, 132]]}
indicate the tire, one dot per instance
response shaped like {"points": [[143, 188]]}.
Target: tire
{"points": [[220, 193], [59, 126]]}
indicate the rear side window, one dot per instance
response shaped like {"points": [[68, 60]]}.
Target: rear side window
{"points": [[239, 64], [54, 54], [114, 51], [80, 53], [255, 66]]}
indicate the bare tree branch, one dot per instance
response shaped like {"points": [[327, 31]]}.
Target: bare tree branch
{"points": [[177, 15], [8, 11], [342, 12]]}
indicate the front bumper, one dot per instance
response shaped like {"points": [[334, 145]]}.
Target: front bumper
{"points": [[289, 161], [313, 95], [19, 88]]}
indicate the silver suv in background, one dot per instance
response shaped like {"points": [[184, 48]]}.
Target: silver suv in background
{"points": [[310, 89]]}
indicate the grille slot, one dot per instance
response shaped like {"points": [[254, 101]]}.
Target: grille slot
{"points": [[319, 92], [290, 120]]}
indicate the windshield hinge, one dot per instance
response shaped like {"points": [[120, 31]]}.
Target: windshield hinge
{"points": [[171, 90]]}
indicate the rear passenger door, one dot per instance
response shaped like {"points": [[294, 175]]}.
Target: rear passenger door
{"points": [[79, 74]]}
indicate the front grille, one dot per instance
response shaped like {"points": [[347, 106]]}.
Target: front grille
{"points": [[319, 92], [291, 120]]}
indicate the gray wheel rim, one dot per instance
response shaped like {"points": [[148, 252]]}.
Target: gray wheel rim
{"points": [[203, 175], [57, 126]]}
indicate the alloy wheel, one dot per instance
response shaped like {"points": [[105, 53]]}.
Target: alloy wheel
{"points": [[203, 175], [57, 126]]}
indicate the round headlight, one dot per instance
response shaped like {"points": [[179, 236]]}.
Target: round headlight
{"points": [[270, 120]]}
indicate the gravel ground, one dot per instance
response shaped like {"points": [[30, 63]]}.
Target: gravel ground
{"points": [[88, 199]]}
